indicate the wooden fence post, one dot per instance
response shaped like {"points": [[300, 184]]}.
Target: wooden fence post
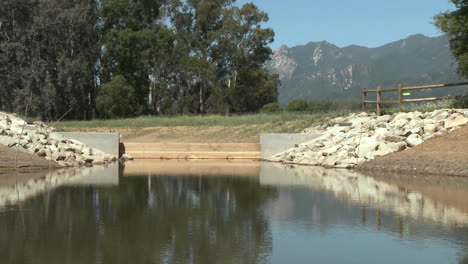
{"points": [[364, 98], [379, 100], [400, 96]]}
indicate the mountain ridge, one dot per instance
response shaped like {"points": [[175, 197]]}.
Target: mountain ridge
{"points": [[324, 71]]}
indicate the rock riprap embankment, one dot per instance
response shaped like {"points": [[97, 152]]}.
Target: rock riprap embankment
{"points": [[42, 141], [351, 140]]}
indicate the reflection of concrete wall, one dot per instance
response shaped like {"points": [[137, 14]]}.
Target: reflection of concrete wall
{"points": [[363, 190], [96, 176], [275, 143], [107, 142]]}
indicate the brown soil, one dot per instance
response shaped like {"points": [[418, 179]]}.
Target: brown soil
{"points": [[24, 160], [196, 134], [444, 155]]}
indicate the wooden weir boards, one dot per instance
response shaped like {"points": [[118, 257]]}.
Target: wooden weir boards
{"points": [[400, 91], [193, 151]]}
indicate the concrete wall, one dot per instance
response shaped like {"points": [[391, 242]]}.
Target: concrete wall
{"points": [[275, 143], [107, 142]]}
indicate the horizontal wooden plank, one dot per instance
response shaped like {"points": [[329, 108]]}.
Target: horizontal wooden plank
{"points": [[370, 102], [194, 155], [382, 90], [389, 102], [184, 147], [426, 99], [435, 86]]}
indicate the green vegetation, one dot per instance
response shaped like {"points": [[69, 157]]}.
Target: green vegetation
{"points": [[112, 59], [460, 102], [304, 111], [316, 106], [455, 25], [271, 108], [419, 107], [212, 120]]}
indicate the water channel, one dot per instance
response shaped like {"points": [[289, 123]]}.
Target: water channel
{"points": [[231, 212]]}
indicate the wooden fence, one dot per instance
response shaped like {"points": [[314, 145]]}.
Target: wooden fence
{"points": [[401, 90]]}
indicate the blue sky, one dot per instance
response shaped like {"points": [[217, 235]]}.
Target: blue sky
{"points": [[369, 23]]}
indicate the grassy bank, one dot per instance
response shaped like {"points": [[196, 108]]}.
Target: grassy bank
{"points": [[212, 128], [210, 120], [217, 128]]}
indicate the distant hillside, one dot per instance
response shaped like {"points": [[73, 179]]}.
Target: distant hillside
{"points": [[321, 70]]}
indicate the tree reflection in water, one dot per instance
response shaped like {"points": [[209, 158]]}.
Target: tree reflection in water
{"points": [[143, 220]]}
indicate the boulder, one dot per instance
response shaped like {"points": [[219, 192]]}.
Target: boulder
{"points": [[384, 119], [459, 121], [7, 141], [367, 145], [429, 129], [394, 139], [414, 140]]}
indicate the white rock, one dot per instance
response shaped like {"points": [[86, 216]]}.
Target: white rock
{"points": [[7, 141], [367, 145], [331, 150], [414, 140], [381, 132], [429, 129], [384, 119], [459, 121]]}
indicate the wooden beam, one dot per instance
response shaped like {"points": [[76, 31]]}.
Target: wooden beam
{"points": [[194, 155], [364, 98], [187, 147], [400, 97], [189, 151], [435, 86], [384, 90], [379, 100], [426, 99]]}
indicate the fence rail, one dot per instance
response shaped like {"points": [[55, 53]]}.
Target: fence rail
{"points": [[401, 89]]}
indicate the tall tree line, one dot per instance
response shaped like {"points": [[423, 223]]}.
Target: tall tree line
{"points": [[121, 58]]}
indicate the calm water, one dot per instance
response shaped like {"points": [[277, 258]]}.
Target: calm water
{"points": [[182, 212]]}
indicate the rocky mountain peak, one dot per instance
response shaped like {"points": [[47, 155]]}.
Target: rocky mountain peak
{"points": [[324, 71]]}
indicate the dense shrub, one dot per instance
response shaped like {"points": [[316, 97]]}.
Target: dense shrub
{"points": [[317, 106], [460, 102], [299, 105], [271, 108]]}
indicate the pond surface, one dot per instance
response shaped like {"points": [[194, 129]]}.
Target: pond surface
{"points": [[204, 212]]}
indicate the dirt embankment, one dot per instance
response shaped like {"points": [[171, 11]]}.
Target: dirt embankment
{"points": [[444, 155], [249, 133], [25, 161]]}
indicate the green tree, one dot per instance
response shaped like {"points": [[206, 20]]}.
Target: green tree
{"points": [[130, 44], [117, 98], [455, 25], [48, 53]]}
